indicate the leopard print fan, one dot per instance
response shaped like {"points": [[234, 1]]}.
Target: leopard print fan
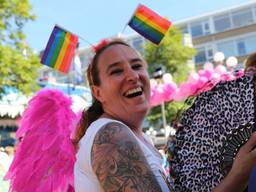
{"points": [[236, 138]]}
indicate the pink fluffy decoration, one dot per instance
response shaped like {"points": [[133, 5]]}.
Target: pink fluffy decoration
{"points": [[45, 157], [196, 83], [162, 93]]}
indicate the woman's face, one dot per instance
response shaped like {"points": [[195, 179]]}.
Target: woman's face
{"points": [[125, 89]]}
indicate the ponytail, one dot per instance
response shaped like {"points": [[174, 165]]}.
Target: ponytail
{"points": [[88, 116]]}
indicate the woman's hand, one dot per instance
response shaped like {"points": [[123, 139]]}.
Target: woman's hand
{"points": [[238, 177]]}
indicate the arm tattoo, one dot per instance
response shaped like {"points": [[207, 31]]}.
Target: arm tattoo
{"points": [[119, 162]]}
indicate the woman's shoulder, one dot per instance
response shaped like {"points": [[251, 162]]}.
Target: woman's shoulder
{"points": [[99, 124], [114, 128], [102, 127], [116, 154]]}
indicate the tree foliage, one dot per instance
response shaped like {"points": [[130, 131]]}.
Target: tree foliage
{"points": [[18, 63], [172, 56]]}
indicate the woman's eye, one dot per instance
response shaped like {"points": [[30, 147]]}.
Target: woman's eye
{"points": [[137, 66], [116, 71]]}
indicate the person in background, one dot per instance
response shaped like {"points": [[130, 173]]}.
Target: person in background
{"points": [[5, 161], [250, 61], [113, 152]]}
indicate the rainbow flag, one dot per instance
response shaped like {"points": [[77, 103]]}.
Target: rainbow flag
{"points": [[60, 49], [149, 24]]}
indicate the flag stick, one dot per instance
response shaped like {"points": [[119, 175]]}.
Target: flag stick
{"points": [[134, 13], [85, 40], [131, 17], [74, 34], [124, 28]]}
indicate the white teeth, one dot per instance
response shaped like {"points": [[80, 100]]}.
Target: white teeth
{"points": [[132, 91]]}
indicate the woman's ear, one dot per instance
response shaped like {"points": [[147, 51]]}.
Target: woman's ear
{"points": [[96, 92]]}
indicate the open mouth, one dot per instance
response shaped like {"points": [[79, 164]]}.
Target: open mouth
{"points": [[134, 92]]}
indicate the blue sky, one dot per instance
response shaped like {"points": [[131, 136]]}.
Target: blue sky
{"points": [[97, 19]]}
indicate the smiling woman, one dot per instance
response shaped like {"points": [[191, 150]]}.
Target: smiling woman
{"points": [[113, 152]]}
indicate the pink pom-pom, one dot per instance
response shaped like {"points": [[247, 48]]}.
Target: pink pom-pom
{"points": [[155, 100], [157, 96], [193, 78], [221, 69], [179, 95], [201, 72], [169, 90], [208, 74]]}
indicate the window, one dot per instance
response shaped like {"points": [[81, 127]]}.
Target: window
{"points": [[184, 29], [200, 28], [64, 80], [210, 53], [242, 17], [241, 48], [204, 54], [246, 45], [200, 56], [137, 44], [250, 43], [196, 29], [222, 23], [227, 48], [84, 60], [206, 28]]}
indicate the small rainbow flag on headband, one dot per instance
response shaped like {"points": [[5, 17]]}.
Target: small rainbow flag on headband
{"points": [[60, 49], [149, 24]]}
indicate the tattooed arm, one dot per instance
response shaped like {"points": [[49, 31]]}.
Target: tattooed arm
{"points": [[119, 163]]}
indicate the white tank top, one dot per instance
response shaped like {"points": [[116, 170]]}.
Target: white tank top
{"points": [[86, 179]]}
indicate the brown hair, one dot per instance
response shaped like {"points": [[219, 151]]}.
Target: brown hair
{"points": [[95, 110], [251, 61]]}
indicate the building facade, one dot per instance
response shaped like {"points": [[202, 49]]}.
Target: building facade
{"points": [[231, 31]]}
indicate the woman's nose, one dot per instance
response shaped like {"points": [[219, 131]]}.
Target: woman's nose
{"points": [[132, 75]]}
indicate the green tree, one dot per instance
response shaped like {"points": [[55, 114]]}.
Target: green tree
{"points": [[18, 63], [172, 55]]}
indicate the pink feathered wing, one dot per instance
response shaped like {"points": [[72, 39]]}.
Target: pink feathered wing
{"points": [[45, 157]]}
